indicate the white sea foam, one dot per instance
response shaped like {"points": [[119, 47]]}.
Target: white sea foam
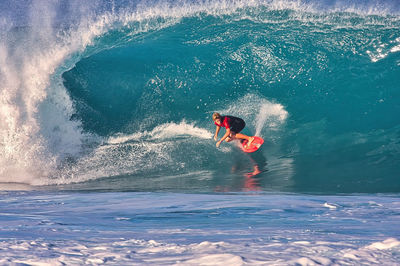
{"points": [[138, 251], [330, 206], [386, 244], [173, 228]]}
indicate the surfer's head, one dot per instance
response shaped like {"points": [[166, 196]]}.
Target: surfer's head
{"points": [[216, 116]]}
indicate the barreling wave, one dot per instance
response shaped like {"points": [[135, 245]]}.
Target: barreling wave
{"points": [[126, 89]]}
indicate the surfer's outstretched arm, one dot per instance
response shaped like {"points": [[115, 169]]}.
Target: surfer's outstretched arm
{"points": [[216, 133], [227, 134]]}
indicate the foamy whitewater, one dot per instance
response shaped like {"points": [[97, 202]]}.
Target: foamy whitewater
{"points": [[106, 140]]}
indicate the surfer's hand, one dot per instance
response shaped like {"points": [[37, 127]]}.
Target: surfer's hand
{"points": [[215, 137], [217, 144]]}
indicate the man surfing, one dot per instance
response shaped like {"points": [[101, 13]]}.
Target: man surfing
{"points": [[233, 126]]}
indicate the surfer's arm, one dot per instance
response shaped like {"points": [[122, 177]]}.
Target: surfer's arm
{"points": [[227, 133], [216, 133]]}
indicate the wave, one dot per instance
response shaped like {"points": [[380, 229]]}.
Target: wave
{"points": [[69, 113]]}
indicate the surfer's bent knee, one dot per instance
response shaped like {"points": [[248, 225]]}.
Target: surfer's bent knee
{"points": [[231, 137]]}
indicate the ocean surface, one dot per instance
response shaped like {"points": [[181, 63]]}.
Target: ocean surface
{"points": [[106, 139]]}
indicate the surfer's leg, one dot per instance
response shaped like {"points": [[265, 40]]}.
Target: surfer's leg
{"points": [[230, 137], [243, 136]]}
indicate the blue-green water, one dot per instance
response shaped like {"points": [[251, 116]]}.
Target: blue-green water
{"points": [[106, 139], [327, 85], [125, 96]]}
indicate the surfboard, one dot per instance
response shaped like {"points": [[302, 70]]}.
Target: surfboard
{"points": [[255, 145]]}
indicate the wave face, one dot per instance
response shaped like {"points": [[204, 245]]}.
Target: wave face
{"points": [[119, 95]]}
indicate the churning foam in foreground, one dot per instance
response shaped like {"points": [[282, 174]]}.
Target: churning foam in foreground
{"points": [[191, 229], [42, 252]]}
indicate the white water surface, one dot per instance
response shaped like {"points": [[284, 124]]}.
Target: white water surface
{"points": [[136, 228]]}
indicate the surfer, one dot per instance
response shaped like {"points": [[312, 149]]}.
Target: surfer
{"points": [[233, 126]]}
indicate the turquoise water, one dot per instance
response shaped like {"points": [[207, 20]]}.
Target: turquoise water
{"points": [[326, 85], [125, 96]]}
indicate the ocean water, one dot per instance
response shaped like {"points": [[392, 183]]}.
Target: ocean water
{"points": [[106, 138]]}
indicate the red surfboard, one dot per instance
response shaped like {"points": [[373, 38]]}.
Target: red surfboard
{"points": [[255, 145]]}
